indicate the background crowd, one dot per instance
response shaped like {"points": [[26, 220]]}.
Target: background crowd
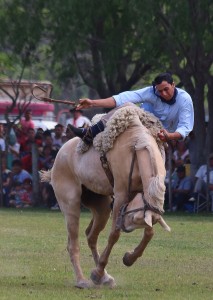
{"points": [[184, 181]]}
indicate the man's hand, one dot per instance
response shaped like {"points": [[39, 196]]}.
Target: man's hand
{"points": [[84, 103], [166, 136], [88, 103]]}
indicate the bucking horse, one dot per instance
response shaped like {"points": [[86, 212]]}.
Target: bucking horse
{"points": [[126, 162]]}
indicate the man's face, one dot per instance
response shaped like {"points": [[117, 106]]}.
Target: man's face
{"points": [[76, 114], [16, 169], [28, 115], [181, 174], [58, 131], [165, 90]]}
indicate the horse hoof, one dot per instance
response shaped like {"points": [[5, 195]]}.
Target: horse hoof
{"points": [[108, 280], [84, 284], [95, 277], [126, 259]]}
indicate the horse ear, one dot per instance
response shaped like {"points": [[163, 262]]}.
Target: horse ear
{"points": [[148, 218]]}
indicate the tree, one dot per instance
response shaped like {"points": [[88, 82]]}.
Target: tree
{"points": [[115, 45], [188, 29], [103, 42]]}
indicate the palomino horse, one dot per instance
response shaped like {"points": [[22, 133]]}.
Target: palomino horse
{"points": [[78, 178]]}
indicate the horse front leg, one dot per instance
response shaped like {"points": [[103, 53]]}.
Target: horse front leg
{"points": [[73, 249], [130, 257], [99, 272]]}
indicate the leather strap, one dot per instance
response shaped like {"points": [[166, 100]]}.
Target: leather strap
{"points": [[106, 168]]}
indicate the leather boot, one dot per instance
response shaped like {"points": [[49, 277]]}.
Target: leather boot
{"points": [[84, 133]]}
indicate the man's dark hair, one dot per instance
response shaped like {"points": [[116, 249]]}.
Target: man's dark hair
{"points": [[16, 162], [59, 126], [163, 77]]}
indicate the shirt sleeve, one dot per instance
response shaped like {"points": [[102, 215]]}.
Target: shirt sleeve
{"points": [[138, 96], [187, 184], [186, 118]]}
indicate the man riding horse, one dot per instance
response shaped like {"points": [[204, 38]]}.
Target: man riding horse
{"points": [[172, 106]]}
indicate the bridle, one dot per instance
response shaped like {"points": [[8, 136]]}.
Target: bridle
{"points": [[123, 212], [123, 209]]}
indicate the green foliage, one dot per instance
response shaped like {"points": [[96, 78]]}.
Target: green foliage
{"points": [[112, 46]]}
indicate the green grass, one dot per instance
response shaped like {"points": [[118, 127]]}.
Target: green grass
{"points": [[34, 263]]}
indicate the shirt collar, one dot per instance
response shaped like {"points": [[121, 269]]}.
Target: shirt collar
{"points": [[171, 101]]}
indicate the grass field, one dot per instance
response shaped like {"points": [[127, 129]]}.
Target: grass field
{"points": [[34, 263]]}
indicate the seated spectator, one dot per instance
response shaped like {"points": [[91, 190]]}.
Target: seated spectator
{"points": [[48, 195], [173, 177], [181, 189], [173, 172], [27, 197], [46, 158], [15, 194], [48, 141], [57, 136], [2, 139], [21, 194], [18, 173], [25, 146], [6, 182], [201, 181], [181, 154], [39, 133]]}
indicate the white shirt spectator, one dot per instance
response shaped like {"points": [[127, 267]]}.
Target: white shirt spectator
{"points": [[2, 144], [78, 120], [202, 174]]}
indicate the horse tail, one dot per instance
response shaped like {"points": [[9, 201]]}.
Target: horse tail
{"points": [[45, 176]]}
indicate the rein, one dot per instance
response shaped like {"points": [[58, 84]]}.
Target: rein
{"points": [[169, 142]]}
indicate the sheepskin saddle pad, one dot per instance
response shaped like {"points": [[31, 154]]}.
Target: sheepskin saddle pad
{"points": [[118, 123]]}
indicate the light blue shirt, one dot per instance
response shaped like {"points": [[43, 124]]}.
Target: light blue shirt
{"points": [[22, 176], [184, 184], [178, 117]]}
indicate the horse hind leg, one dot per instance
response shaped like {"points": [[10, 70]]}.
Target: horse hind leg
{"points": [[69, 199], [130, 257]]}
